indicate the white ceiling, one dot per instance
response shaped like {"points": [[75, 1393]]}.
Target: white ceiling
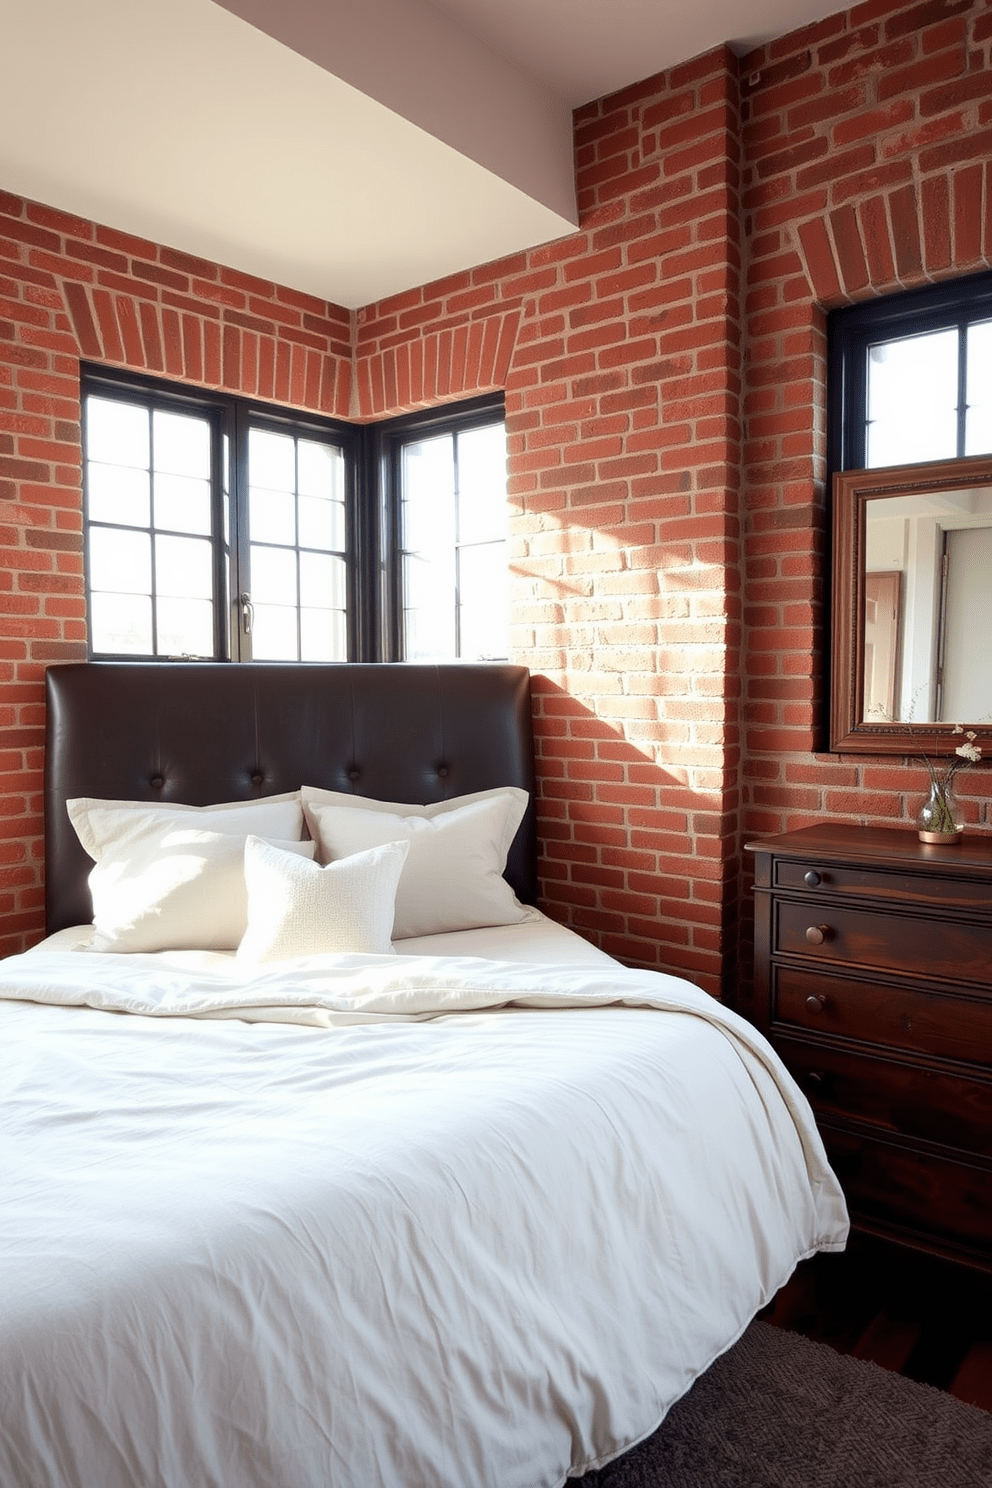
{"points": [[348, 148]]}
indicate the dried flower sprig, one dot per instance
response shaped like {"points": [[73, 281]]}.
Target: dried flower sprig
{"points": [[968, 753]]}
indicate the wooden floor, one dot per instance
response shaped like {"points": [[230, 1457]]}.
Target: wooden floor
{"points": [[914, 1314]]}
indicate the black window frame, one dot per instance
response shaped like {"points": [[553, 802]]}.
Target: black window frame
{"points": [[231, 417], [388, 439], [851, 330]]}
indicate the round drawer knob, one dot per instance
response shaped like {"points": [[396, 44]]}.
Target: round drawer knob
{"points": [[811, 879], [815, 1004], [817, 934]]}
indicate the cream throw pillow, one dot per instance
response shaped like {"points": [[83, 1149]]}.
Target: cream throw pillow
{"points": [[98, 823], [515, 798], [453, 875], [170, 878], [297, 908]]}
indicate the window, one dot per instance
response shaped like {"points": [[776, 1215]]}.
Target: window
{"points": [[216, 528], [150, 536], [910, 387], [297, 550], [911, 377], [219, 528], [444, 485]]}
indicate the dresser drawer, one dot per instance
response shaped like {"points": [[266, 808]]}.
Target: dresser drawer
{"points": [[873, 980], [910, 1099], [874, 1012], [951, 950], [928, 1196], [819, 879]]}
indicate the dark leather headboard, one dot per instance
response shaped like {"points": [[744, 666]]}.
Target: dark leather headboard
{"points": [[203, 732]]}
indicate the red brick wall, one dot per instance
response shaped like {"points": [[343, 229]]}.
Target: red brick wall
{"points": [[664, 370], [620, 352], [72, 289], [867, 142], [863, 146]]}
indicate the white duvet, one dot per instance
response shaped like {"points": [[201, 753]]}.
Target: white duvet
{"points": [[385, 1222]]}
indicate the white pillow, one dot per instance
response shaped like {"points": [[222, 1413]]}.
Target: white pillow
{"points": [[163, 881], [97, 822], [453, 875], [515, 798], [297, 908]]}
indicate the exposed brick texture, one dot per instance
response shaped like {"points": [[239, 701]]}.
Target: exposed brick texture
{"points": [[664, 370], [441, 364], [620, 352], [893, 193], [70, 289]]}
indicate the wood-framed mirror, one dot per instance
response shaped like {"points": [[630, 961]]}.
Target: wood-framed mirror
{"points": [[911, 633]]}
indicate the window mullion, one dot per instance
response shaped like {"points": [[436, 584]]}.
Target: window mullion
{"points": [[456, 494], [222, 546], [153, 577], [962, 387], [240, 554]]}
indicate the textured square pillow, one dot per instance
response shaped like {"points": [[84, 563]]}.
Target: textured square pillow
{"points": [[453, 876], [173, 879], [297, 908]]}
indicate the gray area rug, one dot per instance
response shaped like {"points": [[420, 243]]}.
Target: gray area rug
{"points": [[778, 1411]]}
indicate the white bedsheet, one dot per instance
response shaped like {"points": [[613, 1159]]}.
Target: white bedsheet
{"points": [[428, 1241], [535, 939]]}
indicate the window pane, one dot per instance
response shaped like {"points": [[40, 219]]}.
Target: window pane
{"points": [[273, 576], [912, 399], [978, 420], [321, 524], [117, 433], [185, 627], [454, 521], [182, 444], [428, 634], [482, 484], [121, 623], [117, 493], [272, 460], [120, 562], [183, 568], [322, 582], [273, 635], [323, 635], [484, 611], [429, 611], [428, 487], [271, 517], [182, 504], [321, 470]]}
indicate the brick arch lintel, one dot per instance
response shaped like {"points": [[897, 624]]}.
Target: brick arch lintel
{"points": [[918, 232], [144, 336], [441, 366]]}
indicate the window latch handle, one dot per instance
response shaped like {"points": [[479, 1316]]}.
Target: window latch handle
{"points": [[247, 612]]}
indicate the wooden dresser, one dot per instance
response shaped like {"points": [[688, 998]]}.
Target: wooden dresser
{"points": [[873, 971]]}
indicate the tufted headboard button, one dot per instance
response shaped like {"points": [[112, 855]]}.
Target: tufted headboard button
{"points": [[258, 778], [156, 782], [442, 771], [354, 774]]}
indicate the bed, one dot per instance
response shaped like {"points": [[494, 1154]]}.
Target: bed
{"points": [[469, 1209]]}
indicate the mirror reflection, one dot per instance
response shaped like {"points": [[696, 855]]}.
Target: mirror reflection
{"points": [[927, 600]]}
